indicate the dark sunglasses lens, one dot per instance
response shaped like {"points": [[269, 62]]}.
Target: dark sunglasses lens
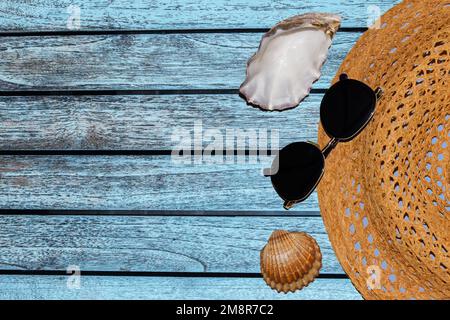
{"points": [[346, 108], [297, 169]]}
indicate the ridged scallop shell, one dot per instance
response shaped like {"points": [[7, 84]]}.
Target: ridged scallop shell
{"points": [[290, 260], [288, 61]]}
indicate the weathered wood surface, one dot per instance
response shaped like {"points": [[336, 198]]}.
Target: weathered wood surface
{"points": [[166, 288], [138, 182], [146, 61], [140, 122], [175, 61], [24, 15], [148, 244]]}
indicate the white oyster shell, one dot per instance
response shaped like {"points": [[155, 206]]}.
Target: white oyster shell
{"points": [[289, 60]]}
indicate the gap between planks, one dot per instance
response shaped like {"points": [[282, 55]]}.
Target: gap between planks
{"points": [[74, 152], [49, 33], [90, 273], [159, 213], [125, 92]]}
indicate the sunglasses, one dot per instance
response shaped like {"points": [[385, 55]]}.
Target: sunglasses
{"points": [[346, 109]]}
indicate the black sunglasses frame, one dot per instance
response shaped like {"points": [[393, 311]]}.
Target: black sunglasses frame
{"points": [[288, 204]]}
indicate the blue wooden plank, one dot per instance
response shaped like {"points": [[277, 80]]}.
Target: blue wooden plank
{"points": [[142, 122], [139, 183], [175, 14], [148, 244], [168, 288], [175, 61], [142, 61]]}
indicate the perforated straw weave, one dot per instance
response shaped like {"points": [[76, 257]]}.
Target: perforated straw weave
{"points": [[385, 196]]}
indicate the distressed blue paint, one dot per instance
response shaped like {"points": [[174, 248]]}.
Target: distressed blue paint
{"points": [[170, 288], [142, 122], [175, 61], [138, 183], [154, 244], [175, 14], [144, 61]]}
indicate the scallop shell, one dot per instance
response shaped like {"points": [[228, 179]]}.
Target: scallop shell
{"points": [[290, 260], [288, 61]]}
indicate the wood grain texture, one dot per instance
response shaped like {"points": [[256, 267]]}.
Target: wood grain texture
{"points": [[148, 244], [140, 122], [175, 61], [145, 61], [166, 288], [158, 14], [138, 182]]}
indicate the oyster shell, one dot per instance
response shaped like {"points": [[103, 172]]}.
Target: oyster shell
{"points": [[290, 260], [288, 61]]}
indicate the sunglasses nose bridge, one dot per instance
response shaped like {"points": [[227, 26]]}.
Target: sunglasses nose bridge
{"points": [[329, 147]]}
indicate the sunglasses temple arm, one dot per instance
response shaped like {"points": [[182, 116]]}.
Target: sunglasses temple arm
{"points": [[330, 146], [379, 93], [289, 204]]}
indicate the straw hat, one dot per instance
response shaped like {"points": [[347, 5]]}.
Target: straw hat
{"points": [[385, 196]]}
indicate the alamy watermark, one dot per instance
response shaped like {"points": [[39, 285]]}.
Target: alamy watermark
{"points": [[74, 279], [201, 145], [373, 281], [374, 17], [74, 19]]}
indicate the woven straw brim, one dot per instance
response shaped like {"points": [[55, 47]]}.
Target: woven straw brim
{"points": [[385, 196]]}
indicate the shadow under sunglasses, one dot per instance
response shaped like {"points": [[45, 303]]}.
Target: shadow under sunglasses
{"points": [[345, 111]]}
